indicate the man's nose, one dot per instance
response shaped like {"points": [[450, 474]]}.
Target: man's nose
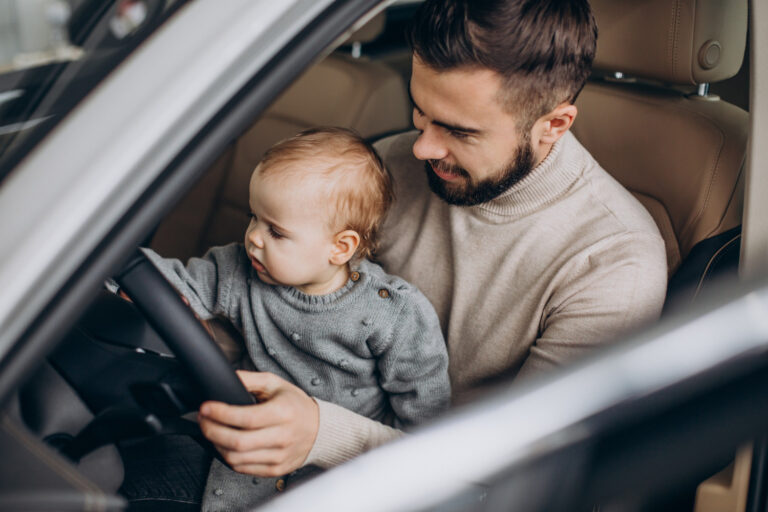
{"points": [[429, 146]]}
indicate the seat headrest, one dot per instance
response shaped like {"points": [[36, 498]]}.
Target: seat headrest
{"points": [[370, 31], [675, 41]]}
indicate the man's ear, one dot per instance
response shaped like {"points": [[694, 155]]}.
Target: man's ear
{"points": [[345, 243], [557, 122]]}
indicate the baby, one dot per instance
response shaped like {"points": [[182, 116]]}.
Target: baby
{"points": [[311, 306]]}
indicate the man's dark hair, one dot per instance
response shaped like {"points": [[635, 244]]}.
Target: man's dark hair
{"points": [[543, 49]]}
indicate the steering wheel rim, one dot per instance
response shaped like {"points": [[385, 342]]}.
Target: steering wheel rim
{"points": [[176, 324]]}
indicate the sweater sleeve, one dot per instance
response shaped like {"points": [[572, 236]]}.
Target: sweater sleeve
{"points": [[343, 435], [205, 282], [613, 289], [413, 366]]}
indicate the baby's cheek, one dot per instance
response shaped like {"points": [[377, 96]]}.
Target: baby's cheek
{"points": [[276, 263]]}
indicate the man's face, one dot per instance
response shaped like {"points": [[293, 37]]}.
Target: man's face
{"points": [[472, 146]]}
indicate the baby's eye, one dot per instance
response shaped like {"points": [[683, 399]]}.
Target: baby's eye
{"points": [[274, 233], [252, 216]]}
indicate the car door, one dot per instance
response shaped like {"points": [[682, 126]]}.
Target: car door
{"points": [[95, 185]]}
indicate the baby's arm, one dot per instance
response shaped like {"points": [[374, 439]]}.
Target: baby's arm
{"points": [[204, 282], [413, 366]]}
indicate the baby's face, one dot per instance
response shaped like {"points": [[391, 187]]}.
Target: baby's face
{"points": [[288, 239]]}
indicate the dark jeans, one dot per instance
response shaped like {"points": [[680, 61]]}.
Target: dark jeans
{"points": [[164, 473]]}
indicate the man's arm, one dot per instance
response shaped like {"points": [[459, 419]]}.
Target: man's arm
{"points": [[343, 435], [610, 291]]}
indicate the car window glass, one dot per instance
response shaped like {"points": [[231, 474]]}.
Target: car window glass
{"points": [[54, 52]]}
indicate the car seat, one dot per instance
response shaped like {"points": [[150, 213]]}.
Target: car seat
{"points": [[345, 89], [647, 116]]}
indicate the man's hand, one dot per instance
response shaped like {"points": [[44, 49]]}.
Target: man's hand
{"points": [[270, 438]]}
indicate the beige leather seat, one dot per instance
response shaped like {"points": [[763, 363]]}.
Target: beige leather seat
{"points": [[341, 90], [680, 153]]}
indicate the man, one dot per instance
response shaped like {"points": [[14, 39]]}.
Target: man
{"points": [[531, 253]]}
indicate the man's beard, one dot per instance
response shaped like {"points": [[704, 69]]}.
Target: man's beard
{"points": [[471, 194]]}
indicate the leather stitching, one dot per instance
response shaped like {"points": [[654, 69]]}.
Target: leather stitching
{"points": [[715, 257]]}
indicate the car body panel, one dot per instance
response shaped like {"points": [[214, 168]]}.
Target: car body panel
{"points": [[87, 173]]}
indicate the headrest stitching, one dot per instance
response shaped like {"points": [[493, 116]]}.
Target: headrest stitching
{"points": [[674, 36]]}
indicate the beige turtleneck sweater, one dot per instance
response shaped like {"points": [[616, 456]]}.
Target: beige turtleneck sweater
{"points": [[564, 261]]}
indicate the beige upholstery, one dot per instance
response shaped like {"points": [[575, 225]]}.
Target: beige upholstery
{"points": [[681, 155], [366, 96], [370, 30], [677, 41]]}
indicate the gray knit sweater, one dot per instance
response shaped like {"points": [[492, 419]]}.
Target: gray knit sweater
{"points": [[373, 347]]}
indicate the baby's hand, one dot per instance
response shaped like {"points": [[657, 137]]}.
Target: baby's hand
{"points": [[124, 296], [205, 323]]}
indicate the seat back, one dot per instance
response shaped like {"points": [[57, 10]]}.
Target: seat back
{"points": [[341, 90], [646, 119]]}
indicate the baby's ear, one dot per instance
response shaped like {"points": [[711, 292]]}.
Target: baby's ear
{"points": [[345, 243]]}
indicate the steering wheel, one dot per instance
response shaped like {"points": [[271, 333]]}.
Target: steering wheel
{"points": [[116, 383], [174, 321]]}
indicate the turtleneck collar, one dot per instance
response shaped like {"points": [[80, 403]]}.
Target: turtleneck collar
{"points": [[545, 183]]}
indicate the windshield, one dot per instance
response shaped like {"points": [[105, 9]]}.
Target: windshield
{"points": [[54, 52]]}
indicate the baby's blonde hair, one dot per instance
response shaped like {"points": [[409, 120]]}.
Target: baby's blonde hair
{"points": [[355, 176]]}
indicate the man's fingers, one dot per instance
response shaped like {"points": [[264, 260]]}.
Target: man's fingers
{"points": [[239, 416], [228, 438], [277, 432], [245, 417], [261, 470], [260, 457]]}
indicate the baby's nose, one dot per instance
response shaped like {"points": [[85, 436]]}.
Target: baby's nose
{"points": [[255, 238]]}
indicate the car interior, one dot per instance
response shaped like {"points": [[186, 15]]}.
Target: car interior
{"points": [[665, 112]]}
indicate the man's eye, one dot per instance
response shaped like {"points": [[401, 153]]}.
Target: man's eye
{"points": [[457, 135], [275, 234]]}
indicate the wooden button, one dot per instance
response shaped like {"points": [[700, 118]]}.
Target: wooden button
{"points": [[280, 485], [354, 276], [383, 293]]}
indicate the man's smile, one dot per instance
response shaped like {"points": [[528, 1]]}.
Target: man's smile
{"points": [[444, 172]]}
